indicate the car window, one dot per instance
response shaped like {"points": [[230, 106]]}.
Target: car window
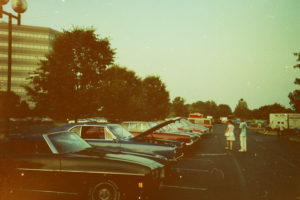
{"points": [[67, 142], [93, 132], [108, 135], [125, 125], [133, 127], [119, 132], [77, 130]]}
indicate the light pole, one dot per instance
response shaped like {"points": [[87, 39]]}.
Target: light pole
{"points": [[19, 6]]}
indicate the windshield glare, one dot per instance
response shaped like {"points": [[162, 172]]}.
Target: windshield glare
{"points": [[120, 132], [68, 142]]}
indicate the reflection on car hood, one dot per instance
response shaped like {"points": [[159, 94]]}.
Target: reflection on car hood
{"points": [[120, 157]]}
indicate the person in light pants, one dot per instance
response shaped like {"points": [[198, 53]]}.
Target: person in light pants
{"points": [[243, 136]]}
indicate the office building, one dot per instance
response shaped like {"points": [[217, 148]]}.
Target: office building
{"points": [[30, 44]]}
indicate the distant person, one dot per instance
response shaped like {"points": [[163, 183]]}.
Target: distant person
{"points": [[229, 134], [243, 136], [281, 128]]}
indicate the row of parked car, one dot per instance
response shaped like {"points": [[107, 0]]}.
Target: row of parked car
{"points": [[96, 161]]}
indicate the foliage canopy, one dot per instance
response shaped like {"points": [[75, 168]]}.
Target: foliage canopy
{"points": [[295, 95], [65, 85]]}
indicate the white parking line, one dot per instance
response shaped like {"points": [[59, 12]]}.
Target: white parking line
{"points": [[292, 165], [212, 154], [183, 187]]}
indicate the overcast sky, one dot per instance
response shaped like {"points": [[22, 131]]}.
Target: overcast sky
{"points": [[202, 49]]}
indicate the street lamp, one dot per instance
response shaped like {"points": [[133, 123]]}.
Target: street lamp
{"points": [[19, 6]]}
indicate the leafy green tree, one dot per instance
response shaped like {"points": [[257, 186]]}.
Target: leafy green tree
{"points": [[224, 110], [241, 110], [206, 108], [121, 99], [179, 108], [67, 82], [156, 98], [295, 95], [197, 107]]}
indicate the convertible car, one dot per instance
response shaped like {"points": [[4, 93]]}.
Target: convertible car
{"points": [[62, 164], [115, 137]]}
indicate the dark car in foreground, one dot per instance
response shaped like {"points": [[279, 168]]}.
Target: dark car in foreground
{"points": [[63, 164], [114, 137]]}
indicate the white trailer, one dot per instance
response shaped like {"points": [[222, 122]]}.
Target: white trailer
{"points": [[290, 120]]}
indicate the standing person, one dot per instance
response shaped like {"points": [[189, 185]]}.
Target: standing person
{"points": [[243, 136], [229, 134], [281, 128]]}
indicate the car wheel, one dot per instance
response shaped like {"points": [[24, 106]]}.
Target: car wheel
{"points": [[107, 190]]}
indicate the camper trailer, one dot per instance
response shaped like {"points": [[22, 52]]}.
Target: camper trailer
{"points": [[290, 120]]}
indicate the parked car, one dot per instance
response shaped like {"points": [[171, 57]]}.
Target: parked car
{"points": [[186, 125], [114, 136], [160, 130], [90, 120], [197, 118], [63, 164]]}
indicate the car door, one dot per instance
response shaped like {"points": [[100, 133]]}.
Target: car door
{"points": [[36, 168]]}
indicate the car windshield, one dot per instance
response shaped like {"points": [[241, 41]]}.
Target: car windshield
{"points": [[120, 132], [68, 142]]}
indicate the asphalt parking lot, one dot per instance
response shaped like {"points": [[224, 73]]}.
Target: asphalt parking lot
{"points": [[269, 170]]}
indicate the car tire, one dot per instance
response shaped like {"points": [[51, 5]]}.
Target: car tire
{"points": [[107, 190]]}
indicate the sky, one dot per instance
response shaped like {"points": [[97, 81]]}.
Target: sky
{"points": [[202, 50]]}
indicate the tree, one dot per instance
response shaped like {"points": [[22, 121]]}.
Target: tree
{"points": [[179, 108], [224, 110], [121, 99], [264, 111], [212, 109], [295, 95], [12, 106], [67, 83], [156, 98], [197, 107], [205, 108], [241, 110]]}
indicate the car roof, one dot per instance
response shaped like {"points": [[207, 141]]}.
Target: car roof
{"points": [[68, 126]]}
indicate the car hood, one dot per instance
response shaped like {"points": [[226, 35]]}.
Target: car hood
{"points": [[120, 156], [158, 126]]}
